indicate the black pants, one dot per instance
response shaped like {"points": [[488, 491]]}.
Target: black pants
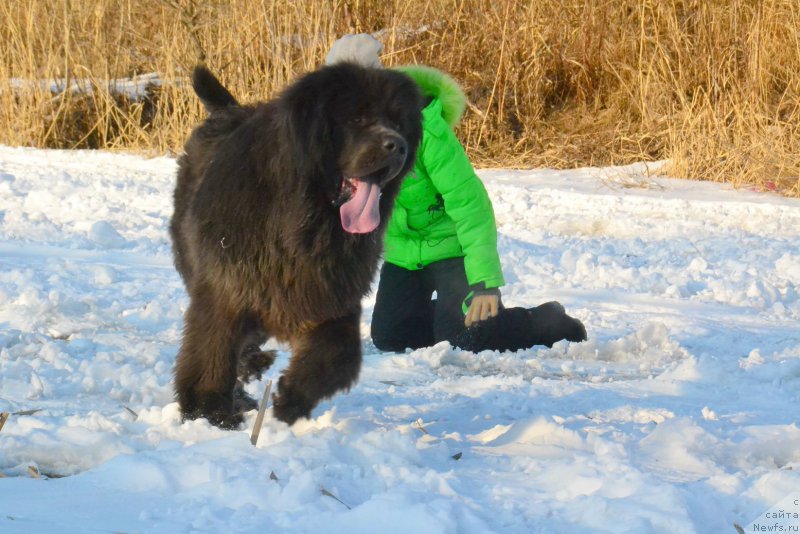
{"points": [[407, 316]]}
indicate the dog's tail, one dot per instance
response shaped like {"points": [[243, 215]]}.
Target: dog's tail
{"points": [[211, 92]]}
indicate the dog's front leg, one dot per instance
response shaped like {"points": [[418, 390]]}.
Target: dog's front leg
{"points": [[205, 369], [325, 360]]}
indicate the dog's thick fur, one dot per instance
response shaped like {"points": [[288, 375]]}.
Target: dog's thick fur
{"points": [[258, 240]]}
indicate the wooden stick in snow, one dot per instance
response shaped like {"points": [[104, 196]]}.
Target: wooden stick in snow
{"points": [[260, 417]]}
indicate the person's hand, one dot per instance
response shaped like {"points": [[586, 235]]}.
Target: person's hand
{"points": [[481, 308]]}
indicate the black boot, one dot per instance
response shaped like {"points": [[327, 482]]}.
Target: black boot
{"points": [[518, 328], [550, 323]]}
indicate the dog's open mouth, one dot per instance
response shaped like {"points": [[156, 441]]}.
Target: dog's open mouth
{"points": [[359, 205], [359, 198]]}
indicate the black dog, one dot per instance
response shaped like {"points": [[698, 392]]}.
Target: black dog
{"points": [[279, 211]]}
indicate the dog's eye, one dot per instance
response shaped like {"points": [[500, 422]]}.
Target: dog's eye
{"points": [[361, 120]]}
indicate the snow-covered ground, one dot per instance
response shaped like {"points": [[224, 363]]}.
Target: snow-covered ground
{"points": [[678, 415]]}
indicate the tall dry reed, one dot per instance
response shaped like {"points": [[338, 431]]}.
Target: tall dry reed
{"points": [[710, 85]]}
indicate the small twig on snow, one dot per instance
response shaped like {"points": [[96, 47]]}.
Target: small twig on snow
{"points": [[26, 412], [421, 428], [52, 475], [332, 496]]}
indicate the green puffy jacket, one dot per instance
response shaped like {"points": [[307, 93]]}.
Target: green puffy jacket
{"points": [[443, 210]]}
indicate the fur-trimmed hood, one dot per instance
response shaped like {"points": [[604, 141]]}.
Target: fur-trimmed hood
{"points": [[435, 83]]}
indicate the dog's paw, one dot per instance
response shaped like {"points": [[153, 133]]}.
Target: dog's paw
{"points": [[253, 363], [220, 419], [288, 405], [218, 409], [242, 401], [287, 412]]}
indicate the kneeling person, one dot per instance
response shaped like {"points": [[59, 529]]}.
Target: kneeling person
{"points": [[442, 238]]}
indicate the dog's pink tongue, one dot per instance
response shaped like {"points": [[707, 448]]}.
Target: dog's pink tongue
{"points": [[361, 214]]}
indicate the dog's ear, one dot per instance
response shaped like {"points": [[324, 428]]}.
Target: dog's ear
{"points": [[310, 129]]}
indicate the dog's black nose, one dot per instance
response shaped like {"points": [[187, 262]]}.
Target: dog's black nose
{"points": [[394, 144]]}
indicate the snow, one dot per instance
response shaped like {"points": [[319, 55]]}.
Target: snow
{"points": [[135, 88], [678, 415]]}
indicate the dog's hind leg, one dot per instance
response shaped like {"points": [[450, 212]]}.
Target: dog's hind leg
{"points": [[252, 361], [325, 360], [206, 366]]}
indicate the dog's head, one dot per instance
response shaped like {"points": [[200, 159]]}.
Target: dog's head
{"points": [[356, 132]]}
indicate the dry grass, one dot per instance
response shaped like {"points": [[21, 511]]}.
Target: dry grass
{"points": [[709, 84]]}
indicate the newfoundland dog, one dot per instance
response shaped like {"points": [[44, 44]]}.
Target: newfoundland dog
{"points": [[279, 211]]}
